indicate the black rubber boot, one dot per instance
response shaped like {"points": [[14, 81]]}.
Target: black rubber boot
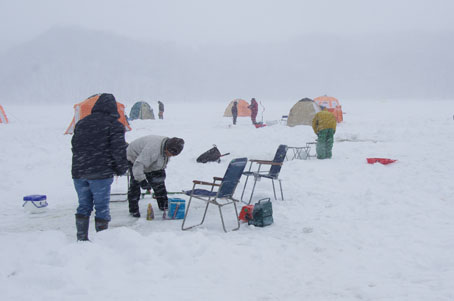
{"points": [[134, 208], [162, 203], [135, 213], [82, 223], [101, 224]]}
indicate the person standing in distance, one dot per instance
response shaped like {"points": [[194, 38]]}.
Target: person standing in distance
{"points": [[234, 111], [161, 110], [99, 153]]}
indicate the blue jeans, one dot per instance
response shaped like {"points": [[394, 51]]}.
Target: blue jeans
{"points": [[94, 193]]}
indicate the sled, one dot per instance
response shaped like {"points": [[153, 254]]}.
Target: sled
{"points": [[211, 155], [383, 161]]}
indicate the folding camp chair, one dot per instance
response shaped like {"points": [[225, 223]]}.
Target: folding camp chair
{"points": [[272, 173], [222, 197]]}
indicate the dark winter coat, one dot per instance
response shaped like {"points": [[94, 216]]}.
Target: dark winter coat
{"points": [[98, 144], [161, 106], [235, 109]]}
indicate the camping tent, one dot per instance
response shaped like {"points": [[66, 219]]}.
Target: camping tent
{"points": [[83, 109], [332, 104], [303, 112], [243, 110], [141, 110], [3, 118]]}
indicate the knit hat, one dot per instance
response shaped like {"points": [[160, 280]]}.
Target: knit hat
{"points": [[174, 145]]}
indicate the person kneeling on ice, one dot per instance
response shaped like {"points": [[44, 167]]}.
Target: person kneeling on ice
{"points": [[99, 153], [148, 157], [324, 126]]}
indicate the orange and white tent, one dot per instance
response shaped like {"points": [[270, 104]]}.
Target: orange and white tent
{"points": [[243, 110], [3, 118], [83, 109], [332, 105]]}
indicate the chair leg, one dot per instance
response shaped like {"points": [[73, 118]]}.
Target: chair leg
{"points": [[253, 188], [282, 193], [274, 190], [244, 187], [236, 215], [186, 214]]}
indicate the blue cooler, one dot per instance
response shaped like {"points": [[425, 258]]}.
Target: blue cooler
{"points": [[176, 208]]}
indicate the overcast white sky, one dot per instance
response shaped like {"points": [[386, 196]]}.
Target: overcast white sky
{"points": [[228, 21]]}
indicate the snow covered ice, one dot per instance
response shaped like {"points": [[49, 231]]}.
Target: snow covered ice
{"points": [[347, 230]]}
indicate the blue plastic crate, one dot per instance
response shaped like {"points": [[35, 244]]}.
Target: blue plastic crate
{"points": [[176, 208]]}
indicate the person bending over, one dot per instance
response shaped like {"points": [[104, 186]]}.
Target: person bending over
{"points": [[148, 157]]}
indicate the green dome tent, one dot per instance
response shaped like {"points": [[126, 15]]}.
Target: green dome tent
{"points": [[141, 110]]}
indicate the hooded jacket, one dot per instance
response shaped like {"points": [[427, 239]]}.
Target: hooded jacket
{"points": [[98, 143], [324, 120], [147, 154]]}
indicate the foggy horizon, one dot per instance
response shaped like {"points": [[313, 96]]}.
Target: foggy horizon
{"points": [[202, 21], [223, 50]]}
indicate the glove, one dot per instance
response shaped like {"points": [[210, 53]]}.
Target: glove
{"points": [[145, 185]]}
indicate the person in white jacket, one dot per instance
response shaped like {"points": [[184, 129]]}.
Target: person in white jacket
{"points": [[148, 157]]}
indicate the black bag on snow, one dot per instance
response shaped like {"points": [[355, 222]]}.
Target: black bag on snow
{"points": [[211, 155], [262, 215]]}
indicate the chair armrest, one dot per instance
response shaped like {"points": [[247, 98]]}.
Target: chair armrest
{"points": [[267, 162], [204, 183], [261, 161], [218, 179]]}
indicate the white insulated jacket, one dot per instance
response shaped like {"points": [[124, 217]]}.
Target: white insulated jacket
{"points": [[147, 155]]}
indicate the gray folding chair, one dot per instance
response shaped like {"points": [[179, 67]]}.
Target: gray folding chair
{"points": [[272, 173], [220, 198]]}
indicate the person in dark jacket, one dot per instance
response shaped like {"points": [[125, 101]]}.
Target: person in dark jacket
{"points": [[235, 111], [148, 157], [254, 107], [161, 110], [99, 153]]}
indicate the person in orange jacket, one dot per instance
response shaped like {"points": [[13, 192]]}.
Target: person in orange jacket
{"points": [[324, 126]]}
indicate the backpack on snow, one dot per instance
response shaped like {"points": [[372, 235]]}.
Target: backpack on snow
{"points": [[211, 155], [262, 214]]}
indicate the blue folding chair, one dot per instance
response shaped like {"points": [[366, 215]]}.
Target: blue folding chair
{"points": [[222, 197], [272, 173]]}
